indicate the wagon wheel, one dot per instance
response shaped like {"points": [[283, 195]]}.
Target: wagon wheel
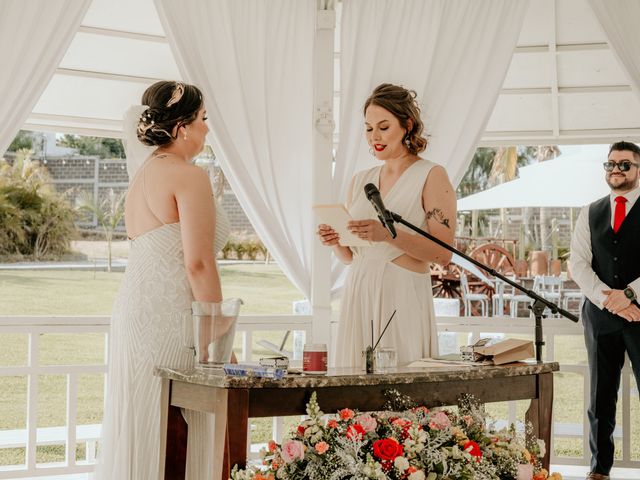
{"points": [[445, 281], [495, 257]]}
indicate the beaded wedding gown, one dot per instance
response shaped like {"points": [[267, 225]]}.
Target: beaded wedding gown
{"points": [[146, 330]]}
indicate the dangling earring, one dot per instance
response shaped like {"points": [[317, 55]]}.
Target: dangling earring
{"points": [[407, 141], [185, 133], [371, 152]]}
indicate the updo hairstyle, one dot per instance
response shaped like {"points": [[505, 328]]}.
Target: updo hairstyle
{"points": [[403, 105], [171, 105]]}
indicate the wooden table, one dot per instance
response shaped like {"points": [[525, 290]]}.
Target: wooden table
{"points": [[235, 399]]}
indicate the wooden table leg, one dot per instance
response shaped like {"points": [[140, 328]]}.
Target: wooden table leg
{"points": [[237, 429], [173, 437], [540, 412]]}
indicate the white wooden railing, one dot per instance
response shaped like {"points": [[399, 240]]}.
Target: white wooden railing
{"points": [[71, 433], [553, 328], [32, 436]]}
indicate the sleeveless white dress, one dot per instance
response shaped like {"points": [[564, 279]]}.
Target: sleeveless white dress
{"points": [[146, 330], [376, 286]]}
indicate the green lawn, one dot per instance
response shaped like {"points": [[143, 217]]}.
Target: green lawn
{"points": [[264, 289]]}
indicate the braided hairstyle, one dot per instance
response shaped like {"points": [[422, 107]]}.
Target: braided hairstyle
{"points": [[171, 105], [403, 105]]}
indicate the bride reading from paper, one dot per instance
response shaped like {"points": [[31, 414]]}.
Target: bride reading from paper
{"points": [[393, 274], [175, 231]]}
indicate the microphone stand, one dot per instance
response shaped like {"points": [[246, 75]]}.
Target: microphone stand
{"points": [[539, 303]]}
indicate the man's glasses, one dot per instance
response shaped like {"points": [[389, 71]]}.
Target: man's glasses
{"points": [[623, 166]]}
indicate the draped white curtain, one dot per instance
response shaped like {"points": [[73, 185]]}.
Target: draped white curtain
{"points": [[253, 61], [453, 53], [34, 37], [620, 21]]}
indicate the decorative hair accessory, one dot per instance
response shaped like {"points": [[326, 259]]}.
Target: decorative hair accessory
{"points": [[178, 91], [136, 152]]}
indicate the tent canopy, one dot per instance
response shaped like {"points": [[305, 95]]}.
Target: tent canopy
{"points": [[564, 84], [573, 179]]}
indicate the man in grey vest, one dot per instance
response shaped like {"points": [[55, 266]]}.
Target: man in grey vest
{"points": [[605, 263]]}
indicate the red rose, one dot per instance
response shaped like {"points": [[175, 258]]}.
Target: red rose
{"points": [[387, 449], [356, 431], [473, 448]]}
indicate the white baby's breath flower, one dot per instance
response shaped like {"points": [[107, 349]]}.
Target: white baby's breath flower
{"points": [[401, 463]]}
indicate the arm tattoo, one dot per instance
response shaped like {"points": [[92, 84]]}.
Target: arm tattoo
{"points": [[438, 216]]}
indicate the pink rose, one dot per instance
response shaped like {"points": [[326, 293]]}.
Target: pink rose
{"points": [[439, 421], [367, 421], [321, 447], [292, 450]]}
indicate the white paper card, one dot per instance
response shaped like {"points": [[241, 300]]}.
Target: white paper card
{"points": [[337, 216]]}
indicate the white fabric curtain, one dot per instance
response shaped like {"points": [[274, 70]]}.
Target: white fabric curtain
{"points": [[253, 61], [34, 37], [453, 53], [620, 20]]}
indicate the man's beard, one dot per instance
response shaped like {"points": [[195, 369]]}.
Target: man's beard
{"points": [[628, 184]]}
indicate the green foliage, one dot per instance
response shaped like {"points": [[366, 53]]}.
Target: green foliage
{"points": [[108, 213], [97, 146], [34, 220], [478, 176], [241, 246], [23, 140]]}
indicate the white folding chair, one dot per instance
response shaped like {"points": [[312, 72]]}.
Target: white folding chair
{"points": [[549, 288], [468, 297]]}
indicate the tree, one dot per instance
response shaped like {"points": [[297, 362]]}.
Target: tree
{"points": [[22, 141], [34, 219], [490, 167], [108, 213], [94, 146]]}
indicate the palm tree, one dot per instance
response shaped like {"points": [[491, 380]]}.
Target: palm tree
{"points": [[108, 214]]}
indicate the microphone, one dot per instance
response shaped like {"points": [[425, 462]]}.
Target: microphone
{"points": [[373, 195]]}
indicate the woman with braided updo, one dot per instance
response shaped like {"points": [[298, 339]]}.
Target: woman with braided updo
{"points": [[175, 231], [393, 274]]}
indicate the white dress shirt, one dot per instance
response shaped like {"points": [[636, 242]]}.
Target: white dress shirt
{"points": [[581, 254]]}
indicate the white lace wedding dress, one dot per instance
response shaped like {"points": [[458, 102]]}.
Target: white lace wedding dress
{"points": [[146, 330]]}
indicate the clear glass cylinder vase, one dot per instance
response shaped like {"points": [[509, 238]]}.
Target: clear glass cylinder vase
{"points": [[214, 329]]}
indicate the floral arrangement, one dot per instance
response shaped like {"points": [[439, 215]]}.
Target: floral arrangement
{"points": [[414, 444]]}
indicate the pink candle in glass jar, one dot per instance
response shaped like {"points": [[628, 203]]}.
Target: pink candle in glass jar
{"points": [[314, 358]]}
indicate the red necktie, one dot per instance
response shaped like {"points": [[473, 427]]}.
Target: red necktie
{"points": [[620, 212]]}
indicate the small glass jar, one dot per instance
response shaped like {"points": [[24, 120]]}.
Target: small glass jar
{"points": [[314, 358], [385, 359]]}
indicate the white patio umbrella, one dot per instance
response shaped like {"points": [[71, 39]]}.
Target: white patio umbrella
{"points": [[573, 179]]}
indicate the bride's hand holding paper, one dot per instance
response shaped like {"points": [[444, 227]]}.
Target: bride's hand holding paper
{"points": [[370, 230], [334, 230], [328, 236]]}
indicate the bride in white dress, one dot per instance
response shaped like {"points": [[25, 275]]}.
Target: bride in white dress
{"points": [[173, 223]]}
